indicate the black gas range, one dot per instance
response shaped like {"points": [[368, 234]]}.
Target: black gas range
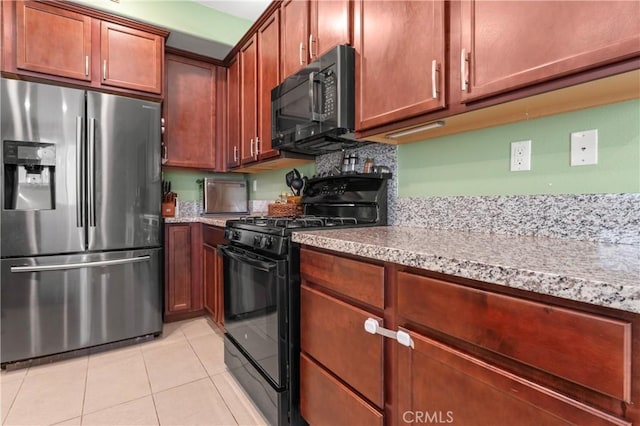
{"points": [[262, 286]]}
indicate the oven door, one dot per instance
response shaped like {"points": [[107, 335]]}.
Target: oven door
{"points": [[255, 300]]}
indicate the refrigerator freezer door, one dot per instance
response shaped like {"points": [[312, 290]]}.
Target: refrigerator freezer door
{"points": [[36, 116], [123, 172], [54, 304]]}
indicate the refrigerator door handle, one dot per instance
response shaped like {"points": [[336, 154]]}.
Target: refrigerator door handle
{"points": [[64, 266], [79, 175], [91, 176]]}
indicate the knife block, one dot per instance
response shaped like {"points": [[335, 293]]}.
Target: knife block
{"points": [[169, 209]]}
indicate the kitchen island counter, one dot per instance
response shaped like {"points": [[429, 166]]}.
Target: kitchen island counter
{"points": [[597, 273]]}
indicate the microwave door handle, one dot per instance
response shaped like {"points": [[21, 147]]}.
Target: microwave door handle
{"points": [[313, 77]]}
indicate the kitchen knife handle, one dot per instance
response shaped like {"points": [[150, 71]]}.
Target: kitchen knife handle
{"points": [[79, 174], [91, 176], [434, 79]]}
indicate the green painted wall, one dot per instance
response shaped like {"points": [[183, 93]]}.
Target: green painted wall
{"points": [[185, 16], [272, 183], [477, 163], [184, 183]]}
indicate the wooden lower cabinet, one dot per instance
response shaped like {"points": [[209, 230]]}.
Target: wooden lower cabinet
{"points": [[478, 354], [439, 384], [213, 279], [325, 400], [183, 271]]}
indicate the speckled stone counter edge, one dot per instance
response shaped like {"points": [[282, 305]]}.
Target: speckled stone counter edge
{"points": [[625, 298], [609, 218]]}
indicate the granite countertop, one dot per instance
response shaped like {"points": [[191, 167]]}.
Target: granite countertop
{"points": [[209, 220], [596, 273]]}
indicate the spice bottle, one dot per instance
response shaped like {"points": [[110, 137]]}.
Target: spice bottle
{"points": [[368, 166]]}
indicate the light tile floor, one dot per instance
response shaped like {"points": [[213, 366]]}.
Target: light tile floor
{"points": [[177, 379]]}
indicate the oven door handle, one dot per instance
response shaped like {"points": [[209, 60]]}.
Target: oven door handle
{"points": [[257, 264]]}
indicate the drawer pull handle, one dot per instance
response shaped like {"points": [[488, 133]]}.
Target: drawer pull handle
{"points": [[372, 326]]}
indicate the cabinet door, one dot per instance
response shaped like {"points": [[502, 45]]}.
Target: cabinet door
{"points": [[52, 41], [330, 26], [233, 93], [178, 269], [131, 59], [513, 44], [324, 400], [190, 113], [210, 274], [399, 74], [439, 384], [332, 332], [295, 27], [219, 289], [268, 78], [248, 100]]}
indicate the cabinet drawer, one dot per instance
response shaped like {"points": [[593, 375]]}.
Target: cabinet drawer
{"points": [[332, 332], [326, 401], [586, 349], [213, 235], [358, 280], [442, 383]]}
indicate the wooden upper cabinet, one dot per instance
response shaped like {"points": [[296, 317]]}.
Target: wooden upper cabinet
{"points": [[190, 113], [310, 28], [131, 59], [295, 27], [53, 41], [507, 45], [268, 78], [399, 73], [330, 26], [248, 100], [233, 114], [76, 45]]}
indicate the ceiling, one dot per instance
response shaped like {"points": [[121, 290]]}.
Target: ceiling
{"points": [[246, 9]]}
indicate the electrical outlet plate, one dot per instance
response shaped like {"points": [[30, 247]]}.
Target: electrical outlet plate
{"points": [[584, 148], [520, 156], [255, 185]]}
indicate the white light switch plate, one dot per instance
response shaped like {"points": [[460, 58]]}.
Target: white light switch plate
{"points": [[584, 148]]}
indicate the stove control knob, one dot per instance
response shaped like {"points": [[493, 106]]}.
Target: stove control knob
{"points": [[235, 235], [257, 240], [267, 242]]}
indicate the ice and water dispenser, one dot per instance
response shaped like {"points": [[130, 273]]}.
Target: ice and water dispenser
{"points": [[29, 175]]}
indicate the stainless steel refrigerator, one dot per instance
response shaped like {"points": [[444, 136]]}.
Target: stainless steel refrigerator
{"points": [[80, 227]]}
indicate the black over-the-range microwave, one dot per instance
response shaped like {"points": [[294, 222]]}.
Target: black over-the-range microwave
{"points": [[312, 111]]}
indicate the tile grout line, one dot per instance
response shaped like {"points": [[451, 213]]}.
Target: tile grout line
{"points": [[4, 421], [153, 398], [84, 394]]}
